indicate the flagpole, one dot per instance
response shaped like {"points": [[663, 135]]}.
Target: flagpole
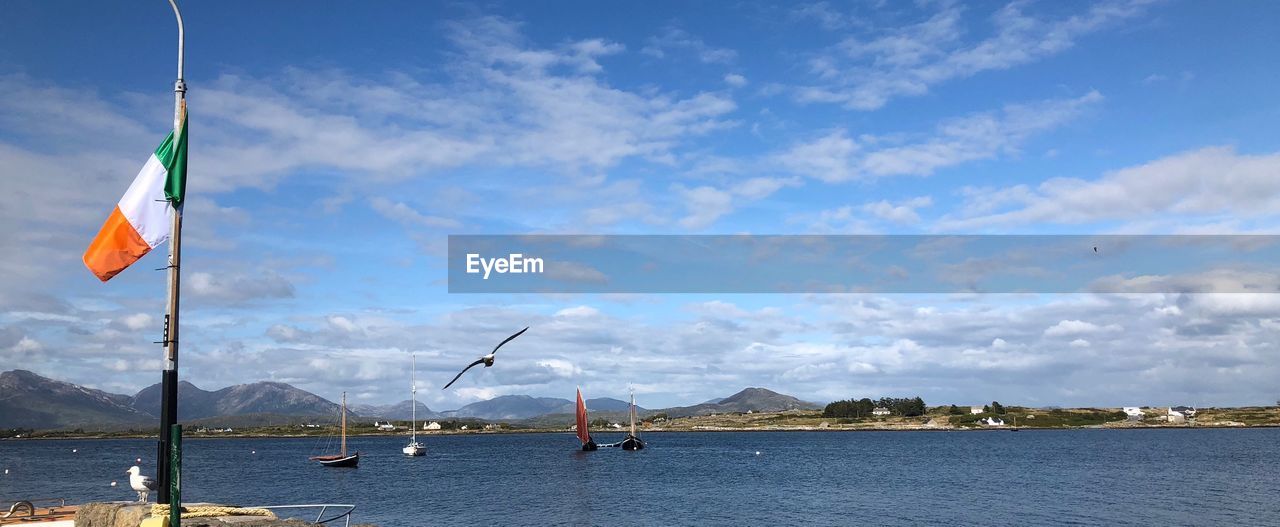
{"points": [[169, 379]]}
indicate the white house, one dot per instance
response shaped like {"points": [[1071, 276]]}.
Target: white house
{"points": [[385, 427], [992, 421], [880, 412], [1180, 414], [431, 426], [975, 409], [1133, 413]]}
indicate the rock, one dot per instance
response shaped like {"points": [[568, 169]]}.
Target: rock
{"points": [[131, 514], [112, 514]]}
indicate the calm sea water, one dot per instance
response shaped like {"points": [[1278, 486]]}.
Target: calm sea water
{"points": [[1079, 477]]}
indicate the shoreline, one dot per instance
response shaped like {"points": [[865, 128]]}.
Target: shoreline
{"points": [[832, 429]]}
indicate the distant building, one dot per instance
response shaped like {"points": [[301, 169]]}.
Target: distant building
{"points": [[431, 426], [992, 421], [975, 410], [880, 412], [1133, 413], [463, 427], [1180, 414], [385, 427], [616, 426]]}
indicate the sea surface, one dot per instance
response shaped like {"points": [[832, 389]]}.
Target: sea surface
{"points": [[1033, 477]]}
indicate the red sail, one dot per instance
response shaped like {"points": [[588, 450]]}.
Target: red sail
{"points": [[583, 433]]}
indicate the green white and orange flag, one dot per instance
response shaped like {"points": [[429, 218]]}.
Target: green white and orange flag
{"points": [[141, 220]]}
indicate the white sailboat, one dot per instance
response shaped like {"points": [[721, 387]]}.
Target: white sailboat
{"points": [[414, 448]]}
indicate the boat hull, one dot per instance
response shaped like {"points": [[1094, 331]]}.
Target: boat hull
{"points": [[632, 443], [590, 446], [338, 461], [414, 450]]}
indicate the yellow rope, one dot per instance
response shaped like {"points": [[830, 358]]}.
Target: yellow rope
{"points": [[209, 511]]}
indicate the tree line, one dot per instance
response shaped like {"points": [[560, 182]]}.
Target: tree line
{"points": [[901, 406]]}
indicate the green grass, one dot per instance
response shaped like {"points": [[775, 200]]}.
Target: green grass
{"points": [[1046, 419]]}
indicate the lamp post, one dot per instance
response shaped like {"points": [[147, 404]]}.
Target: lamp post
{"points": [[169, 378]]}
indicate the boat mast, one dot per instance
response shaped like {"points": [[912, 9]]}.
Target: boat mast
{"points": [[413, 399], [169, 378], [633, 412], [343, 452]]}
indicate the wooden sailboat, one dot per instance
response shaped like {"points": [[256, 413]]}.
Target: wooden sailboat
{"points": [[584, 431], [632, 441], [341, 459], [414, 448]]}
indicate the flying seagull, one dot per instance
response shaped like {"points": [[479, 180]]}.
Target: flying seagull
{"points": [[143, 484], [487, 359]]}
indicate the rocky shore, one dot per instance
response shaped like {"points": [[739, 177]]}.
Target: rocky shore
{"points": [[130, 514]]}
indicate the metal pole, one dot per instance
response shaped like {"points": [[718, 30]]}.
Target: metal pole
{"points": [[175, 476], [169, 379]]}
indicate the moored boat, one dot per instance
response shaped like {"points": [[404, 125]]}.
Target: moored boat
{"points": [[49, 512], [341, 459], [414, 448], [632, 441], [583, 427]]}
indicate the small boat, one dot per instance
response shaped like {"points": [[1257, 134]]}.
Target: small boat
{"points": [[414, 448], [341, 459], [584, 432], [632, 441], [47, 512]]}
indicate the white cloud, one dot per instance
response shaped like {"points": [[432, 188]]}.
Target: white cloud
{"points": [[903, 212], [678, 39], [405, 214], [1242, 186], [578, 311], [864, 74], [735, 80], [237, 288], [137, 321], [1077, 327], [26, 345], [704, 204], [836, 157]]}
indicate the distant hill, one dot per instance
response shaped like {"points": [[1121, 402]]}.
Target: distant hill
{"points": [[400, 411], [517, 407], [604, 404], [242, 399], [512, 407], [28, 400], [750, 399]]}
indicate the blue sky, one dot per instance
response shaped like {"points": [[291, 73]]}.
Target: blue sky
{"points": [[334, 146]]}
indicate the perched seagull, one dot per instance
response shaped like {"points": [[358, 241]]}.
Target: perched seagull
{"points": [[143, 484], [487, 359]]}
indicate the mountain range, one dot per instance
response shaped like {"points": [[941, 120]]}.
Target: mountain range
{"points": [[28, 400]]}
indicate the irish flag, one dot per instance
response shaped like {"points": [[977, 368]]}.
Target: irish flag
{"points": [[141, 221]]}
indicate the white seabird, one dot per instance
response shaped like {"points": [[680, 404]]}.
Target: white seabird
{"points": [[143, 484], [487, 360]]}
